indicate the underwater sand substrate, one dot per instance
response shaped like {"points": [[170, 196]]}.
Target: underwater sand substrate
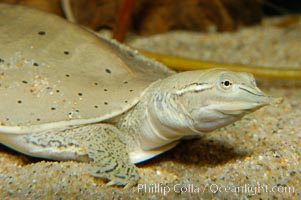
{"points": [[263, 149]]}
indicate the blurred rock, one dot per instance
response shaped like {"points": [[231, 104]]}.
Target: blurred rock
{"points": [[157, 16], [199, 15], [52, 6]]}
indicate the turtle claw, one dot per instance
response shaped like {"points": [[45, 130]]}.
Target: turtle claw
{"points": [[127, 185], [111, 183], [130, 185], [126, 175]]}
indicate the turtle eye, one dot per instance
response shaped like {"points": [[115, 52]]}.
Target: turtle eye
{"points": [[226, 84]]}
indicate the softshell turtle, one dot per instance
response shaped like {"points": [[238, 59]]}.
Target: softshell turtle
{"points": [[67, 94]]}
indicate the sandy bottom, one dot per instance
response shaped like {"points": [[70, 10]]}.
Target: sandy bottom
{"points": [[258, 157]]}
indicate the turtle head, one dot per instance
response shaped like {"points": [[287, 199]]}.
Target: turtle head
{"points": [[206, 100], [189, 103]]}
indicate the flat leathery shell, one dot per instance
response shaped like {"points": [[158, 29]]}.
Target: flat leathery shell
{"points": [[54, 71]]}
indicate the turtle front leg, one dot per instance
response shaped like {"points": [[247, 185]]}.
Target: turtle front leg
{"points": [[110, 158], [101, 145]]}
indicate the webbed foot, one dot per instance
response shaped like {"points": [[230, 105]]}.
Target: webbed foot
{"points": [[110, 159]]}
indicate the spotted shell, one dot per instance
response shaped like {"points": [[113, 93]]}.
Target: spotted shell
{"points": [[55, 73]]}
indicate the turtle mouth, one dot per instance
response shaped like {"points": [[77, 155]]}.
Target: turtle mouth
{"points": [[239, 112], [256, 93], [242, 108], [256, 96], [235, 112]]}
